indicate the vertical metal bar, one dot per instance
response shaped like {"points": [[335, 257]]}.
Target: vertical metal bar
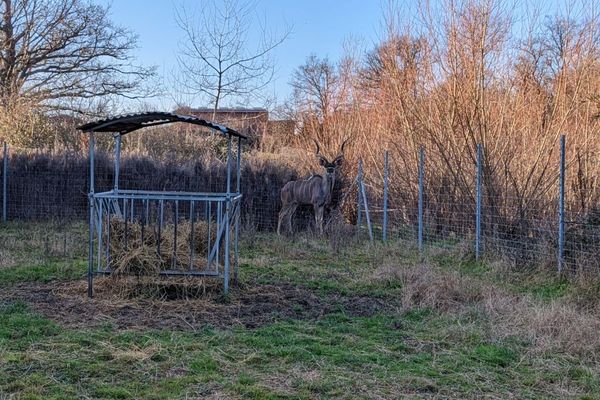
{"points": [[217, 235], [192, 204], [91, 221], [226, 253], [160, 224], [227, 219], [238, 165], [100, 217], [385, 194], [228, 166], [162, 213], [5, 182], [126, 220], [359, 204], [117, 160], [366, 204], [237, 213], [109, 203], [421, 188], [478, 201], [209, 220], [236, 242], [561, 206], [131, 214], [174, 262], [144, 220]]}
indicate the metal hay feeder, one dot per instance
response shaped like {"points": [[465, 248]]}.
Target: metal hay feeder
{"points": [[152, 210]]}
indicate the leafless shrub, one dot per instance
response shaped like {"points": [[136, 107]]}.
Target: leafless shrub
{"points": [[463, 75], [339, 232]]}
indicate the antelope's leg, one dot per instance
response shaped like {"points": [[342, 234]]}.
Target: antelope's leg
{"points": [[319, 218], [290, 214], [281, 217]]}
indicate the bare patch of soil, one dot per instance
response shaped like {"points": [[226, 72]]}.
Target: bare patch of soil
{"points": [[250, 307]]}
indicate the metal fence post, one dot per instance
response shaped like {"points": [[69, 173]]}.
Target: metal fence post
{"points": [[421, 187], [478, 203], [385, 194], [359, 204], [366, 204], [5, 182], [91, 220], [561, 206]]}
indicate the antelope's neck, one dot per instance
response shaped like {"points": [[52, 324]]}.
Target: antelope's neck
{"points": [[328, 183]]}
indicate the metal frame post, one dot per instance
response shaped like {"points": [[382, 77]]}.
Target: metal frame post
{"points": [[238, 166], [91, 222], [561, 206], [385, 194], [226, 222], [237, 212], [420, 194], [117, 160], [359, 203], [478, 202], [5, 183], [228, 166], [367, 216]]}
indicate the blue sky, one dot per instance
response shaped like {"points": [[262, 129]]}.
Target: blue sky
{"points": [[321, 27], [318, 26]]}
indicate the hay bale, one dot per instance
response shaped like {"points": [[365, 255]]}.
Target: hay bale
{"points": [[141, 260], [134, 249]]}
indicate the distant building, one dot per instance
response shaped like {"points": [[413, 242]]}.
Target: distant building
{"points": [[252, 122]]}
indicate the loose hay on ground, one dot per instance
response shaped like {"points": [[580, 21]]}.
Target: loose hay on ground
{"points": [[159, 288]]}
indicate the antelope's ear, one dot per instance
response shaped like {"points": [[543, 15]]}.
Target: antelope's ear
{"points": [[339, 161]]}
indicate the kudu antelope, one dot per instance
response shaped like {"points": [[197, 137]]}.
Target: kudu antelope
{"points": [[315, 190]]}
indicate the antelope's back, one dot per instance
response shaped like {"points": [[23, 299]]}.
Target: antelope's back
{"points": [[300, 191]]}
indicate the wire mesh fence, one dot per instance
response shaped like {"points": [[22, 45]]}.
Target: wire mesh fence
{"points": [[542, 230], [412, 205]]}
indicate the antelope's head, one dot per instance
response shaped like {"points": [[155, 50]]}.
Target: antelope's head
{"points": [[330, 167]]}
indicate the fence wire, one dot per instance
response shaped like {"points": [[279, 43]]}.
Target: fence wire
{"points": [[51, 188]]}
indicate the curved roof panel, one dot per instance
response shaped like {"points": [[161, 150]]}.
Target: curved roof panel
{"points": [[126, 123]]}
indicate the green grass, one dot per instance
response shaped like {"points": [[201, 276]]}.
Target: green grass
{"points": [[41, 252], [336, 356], [414, 353], [44, 272], [310, 263]]}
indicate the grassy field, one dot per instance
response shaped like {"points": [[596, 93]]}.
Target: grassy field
{"points": [[372, 321]]}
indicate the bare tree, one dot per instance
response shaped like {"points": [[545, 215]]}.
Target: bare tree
{"points": [[315, 85], [217, 59], [55, 53]]}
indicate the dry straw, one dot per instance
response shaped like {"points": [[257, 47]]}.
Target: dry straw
{"points": [[136, 262]]}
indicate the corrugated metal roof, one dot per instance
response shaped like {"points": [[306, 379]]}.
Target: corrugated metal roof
{"points": [[226, 110], [126, 123]]}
